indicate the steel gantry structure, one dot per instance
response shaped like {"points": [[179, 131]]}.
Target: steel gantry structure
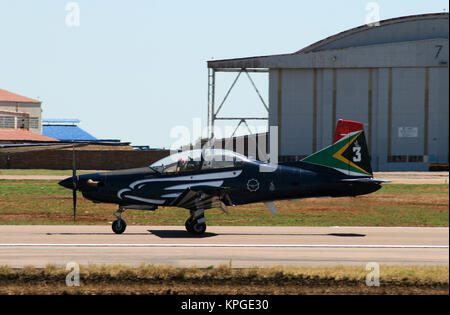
{"points": [[213, 113]]}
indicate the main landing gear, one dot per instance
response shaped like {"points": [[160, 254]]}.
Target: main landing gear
{"points": [[119, 225], [196, 224]]}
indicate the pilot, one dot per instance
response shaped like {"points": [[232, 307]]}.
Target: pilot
{"points": [[180, 165]]}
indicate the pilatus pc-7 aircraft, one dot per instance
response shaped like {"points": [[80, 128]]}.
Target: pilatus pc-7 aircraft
{"points": [[198, 180]]}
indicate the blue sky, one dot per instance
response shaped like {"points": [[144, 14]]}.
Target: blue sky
{"points": [[132, 70]]}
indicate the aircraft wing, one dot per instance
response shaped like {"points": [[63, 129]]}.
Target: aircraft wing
{"points": [[203, 198]]}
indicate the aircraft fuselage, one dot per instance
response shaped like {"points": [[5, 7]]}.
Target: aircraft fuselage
{"points": [[246, 184]]}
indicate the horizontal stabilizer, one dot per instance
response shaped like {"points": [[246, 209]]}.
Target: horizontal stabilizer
{"points": [[365, 180]]}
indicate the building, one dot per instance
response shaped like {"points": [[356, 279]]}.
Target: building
{"points": [[393, 78], [68, 130], [16, 136], [20, 112]]}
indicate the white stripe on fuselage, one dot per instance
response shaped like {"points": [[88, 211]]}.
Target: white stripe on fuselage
{"points": [[211, 184], [174, 195], [210, 176], [120, 192], [141, 183]]}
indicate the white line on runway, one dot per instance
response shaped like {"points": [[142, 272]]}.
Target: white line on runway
{"points": [[390, 227], [224, 245]]}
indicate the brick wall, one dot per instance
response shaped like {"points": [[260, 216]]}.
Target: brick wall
{"points": [[85, 160]]}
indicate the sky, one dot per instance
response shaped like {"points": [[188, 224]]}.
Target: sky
{"points": [[136, 70]]}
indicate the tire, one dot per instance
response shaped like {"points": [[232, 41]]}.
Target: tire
{"points": [[188, 225], [197, 228], [119, 226]]}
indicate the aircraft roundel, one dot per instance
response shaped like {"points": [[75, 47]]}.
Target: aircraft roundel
{"points": [[252, 185]]}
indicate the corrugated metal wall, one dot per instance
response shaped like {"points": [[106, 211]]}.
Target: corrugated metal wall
{"points": [[404, 111]]}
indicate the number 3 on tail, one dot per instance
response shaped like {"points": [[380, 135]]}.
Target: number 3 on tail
{"points": [[357, 157]]}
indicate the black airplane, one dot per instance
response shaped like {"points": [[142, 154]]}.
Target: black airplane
{"points": [[198, 180]]}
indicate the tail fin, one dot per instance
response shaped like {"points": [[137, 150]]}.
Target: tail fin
{"points": [[344, 127], [348, 153]]}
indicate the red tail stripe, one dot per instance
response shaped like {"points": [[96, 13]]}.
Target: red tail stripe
{"points": [[345, 127]]}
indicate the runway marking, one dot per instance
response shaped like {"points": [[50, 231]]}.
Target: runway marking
{"points": [[224, 245], [390, 227]]}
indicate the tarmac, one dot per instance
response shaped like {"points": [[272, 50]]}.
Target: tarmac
{"points": [[235, 246]]}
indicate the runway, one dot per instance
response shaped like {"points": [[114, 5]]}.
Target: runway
{"points": [[236, 246]]}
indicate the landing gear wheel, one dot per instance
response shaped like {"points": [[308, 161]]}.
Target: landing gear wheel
{"points": [[198, 228], [119, 226], [188, 224], [194, 227]]}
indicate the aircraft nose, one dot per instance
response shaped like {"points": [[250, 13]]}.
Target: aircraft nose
{"points": [[67, 183]]}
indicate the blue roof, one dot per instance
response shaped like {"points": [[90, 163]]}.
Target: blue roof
{"points": [[66, 133]]}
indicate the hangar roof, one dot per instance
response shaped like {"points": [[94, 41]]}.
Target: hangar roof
{"points": [[427, 26], [395, 38], [6, 96]]}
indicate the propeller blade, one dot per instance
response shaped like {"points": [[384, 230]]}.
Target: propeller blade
{"points": [[75, 183], [74, 195], [74, 168]]}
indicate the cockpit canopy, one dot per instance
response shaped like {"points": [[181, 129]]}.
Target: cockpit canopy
{"points": [[195, 160]]}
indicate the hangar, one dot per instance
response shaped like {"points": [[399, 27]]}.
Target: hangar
{"points": [[393, 78]]}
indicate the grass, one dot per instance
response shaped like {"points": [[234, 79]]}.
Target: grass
{"points": [[394, 205], [45, 202], [225, 280], [416, 189]]}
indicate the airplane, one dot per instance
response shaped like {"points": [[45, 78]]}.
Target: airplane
{"points": [[202, 179]]}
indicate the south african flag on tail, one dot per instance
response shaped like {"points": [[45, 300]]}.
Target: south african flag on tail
{"points": [[348, 154]]}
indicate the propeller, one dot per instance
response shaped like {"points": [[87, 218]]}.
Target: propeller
{"points": [[75, 184]]}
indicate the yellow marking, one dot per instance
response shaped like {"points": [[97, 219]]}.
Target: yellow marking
{"points": [[338, 154]]}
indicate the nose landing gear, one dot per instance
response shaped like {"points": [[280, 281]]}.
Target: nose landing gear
{"points": [[196, 223], [119, 225]]}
